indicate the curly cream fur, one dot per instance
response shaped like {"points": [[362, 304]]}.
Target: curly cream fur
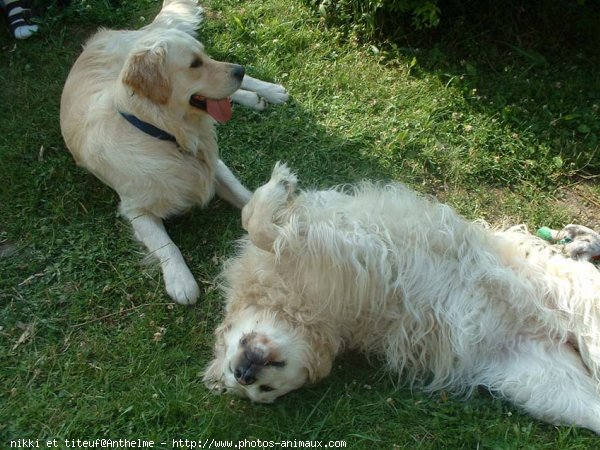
{"points": [[448, 303]]}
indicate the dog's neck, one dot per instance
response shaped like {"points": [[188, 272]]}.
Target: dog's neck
{"points": [[194, 133], [148, 128]]}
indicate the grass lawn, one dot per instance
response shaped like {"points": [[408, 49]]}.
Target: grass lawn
{"points": [[90, 344]]}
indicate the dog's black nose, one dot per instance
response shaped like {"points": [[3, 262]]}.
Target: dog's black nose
{"points": [[238, 72], [244, 374]]}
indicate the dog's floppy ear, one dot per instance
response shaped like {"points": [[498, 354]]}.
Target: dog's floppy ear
{"points": [[213, 373], [319, 361], [319, 366], [212, 376], [146, 74]]}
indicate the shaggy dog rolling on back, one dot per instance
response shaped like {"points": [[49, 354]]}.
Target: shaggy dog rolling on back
{"points": [[138, 110], [380, 269]]}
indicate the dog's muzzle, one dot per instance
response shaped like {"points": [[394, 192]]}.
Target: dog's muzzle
{"points": [[249, 364], [245, 375]]}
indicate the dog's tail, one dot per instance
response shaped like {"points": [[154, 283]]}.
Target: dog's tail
{"points": [[184, 15]]}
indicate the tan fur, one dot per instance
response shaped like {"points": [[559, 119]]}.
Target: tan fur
{"points": [[146, 75], [150, 73]]}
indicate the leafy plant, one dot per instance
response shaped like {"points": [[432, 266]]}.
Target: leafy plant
{"points": [[366, 16]]}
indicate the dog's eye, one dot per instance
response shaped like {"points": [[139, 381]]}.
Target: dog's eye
{"points": [[196, 62], [275, 363], [265, 388]]}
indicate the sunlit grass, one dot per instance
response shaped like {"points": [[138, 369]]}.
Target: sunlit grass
{"points": [[91, 346]]}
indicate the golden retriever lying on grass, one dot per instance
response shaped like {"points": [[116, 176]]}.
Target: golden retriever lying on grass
{"points": [[448, 303], [138, 110]]}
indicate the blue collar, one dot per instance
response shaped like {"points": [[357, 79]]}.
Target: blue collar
{"points": [[148, 128]]}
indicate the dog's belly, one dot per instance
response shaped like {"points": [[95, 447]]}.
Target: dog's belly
{"points": [[444, 283]]}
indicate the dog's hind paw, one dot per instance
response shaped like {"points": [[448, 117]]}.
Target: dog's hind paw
{"points": [[581, 243], [585, 249]]}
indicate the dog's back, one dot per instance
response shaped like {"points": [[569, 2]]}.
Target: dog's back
{"points": [[90, 83]]}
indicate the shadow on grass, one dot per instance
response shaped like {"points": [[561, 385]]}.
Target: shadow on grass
{"points": [[530, 65]]}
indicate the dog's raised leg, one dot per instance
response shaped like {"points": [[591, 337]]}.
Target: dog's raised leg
{"points": [[549, 381], [260, 215], [179, 281]]}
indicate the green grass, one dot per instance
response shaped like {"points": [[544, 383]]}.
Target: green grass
{"points": [[91, 346]]}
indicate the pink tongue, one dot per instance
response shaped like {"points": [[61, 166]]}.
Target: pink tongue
{"points": [[219, 109]]}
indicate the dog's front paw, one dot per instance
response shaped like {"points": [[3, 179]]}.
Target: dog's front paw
{"points": [[181, 285], [265, 211], [249, 99], [274, 93]]}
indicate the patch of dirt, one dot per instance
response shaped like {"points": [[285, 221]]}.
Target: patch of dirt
{"points": [[582, 201]]}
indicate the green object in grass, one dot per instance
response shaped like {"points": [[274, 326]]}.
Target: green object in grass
{"points": [[546, 234]]}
